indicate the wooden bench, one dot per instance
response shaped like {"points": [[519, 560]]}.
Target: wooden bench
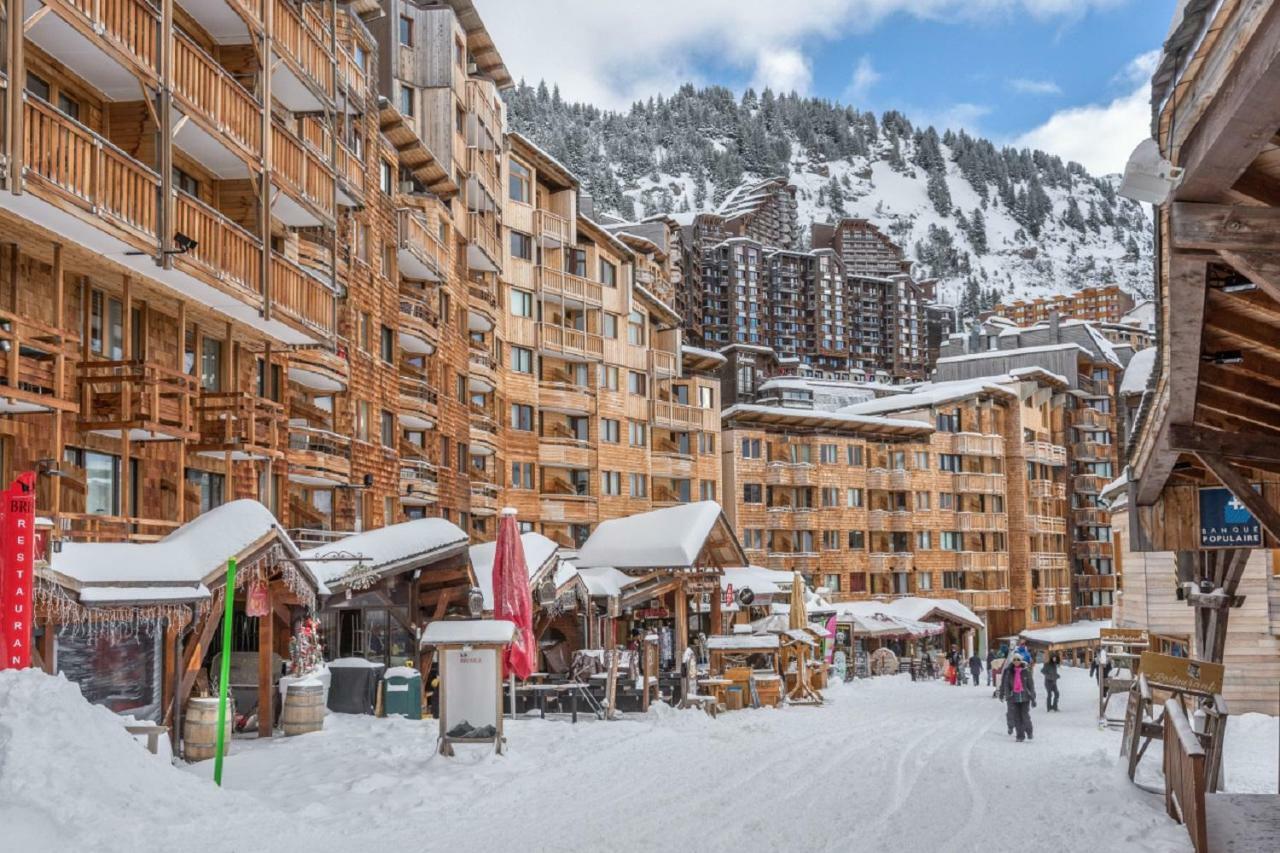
{"points": [[1221, 823]]}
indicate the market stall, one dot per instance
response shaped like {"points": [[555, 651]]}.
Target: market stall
{"points": [[749, 664]]}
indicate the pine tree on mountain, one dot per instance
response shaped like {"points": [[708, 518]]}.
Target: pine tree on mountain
{"points": [[835, 197], [978, 231], [1073, 218], [937, 190]]}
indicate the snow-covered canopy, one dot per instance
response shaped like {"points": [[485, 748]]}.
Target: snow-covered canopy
{"points": [[467, 631], [934, 610], [1076, 632], [605, 581], [539, 556], [911, 616], [676, 537], [176, 567], [1138, 374], [765, 583], [933, 394], [699, 352], [388, 550], [743, 642]]}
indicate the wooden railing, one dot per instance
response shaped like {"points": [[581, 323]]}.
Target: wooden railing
{"points": [[351, 168], [1048, 562], [421, 311], [1048, 524], [560, 283], [664, 413], [1046, 489], [304, 43], [134, 25], [301, 171], [982, 561], [33, 362], [977, 444], [238, 420], [300, 295], [355, 78], [204, 86], [984, 599], [95, 527], [663, 363], [1091, 516], [85, 169], [320, 453], [1089, 484], [117, 395], [1090, 450], [418, 390], [224, 250], [981, 483], [561, 339], [479, 105], [551, 226], [1184, 774], [482, 166], [891, 562], [417, 237], [897, 520], [1043, 451], [483, 231], [1092, 582], [982, 521]]}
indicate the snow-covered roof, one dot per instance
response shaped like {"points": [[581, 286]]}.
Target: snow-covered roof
{"points": [[871, 618], [195, 553], [975, 356], [742, 642], [99, 595], [699, 352], [931, 609], [759, 580], [930, 395], [389, 549], [1138, 374], [465, 631], [539, 555], [605, 581], [845, 416], [1075, 632], [672, 537]]}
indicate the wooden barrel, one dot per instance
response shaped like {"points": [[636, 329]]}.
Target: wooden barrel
{"points": [[200, 729], [303, 709]]}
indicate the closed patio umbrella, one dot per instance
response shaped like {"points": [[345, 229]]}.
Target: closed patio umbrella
{"points": [[799, 616], [511, 599]]}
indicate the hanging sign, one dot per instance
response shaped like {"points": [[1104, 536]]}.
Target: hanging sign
{"points": [[728, 595], [1193, 676], [17, 559], [1225, 522]]}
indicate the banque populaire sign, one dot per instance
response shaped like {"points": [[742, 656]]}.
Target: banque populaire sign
{"points": [[1225, 522]]}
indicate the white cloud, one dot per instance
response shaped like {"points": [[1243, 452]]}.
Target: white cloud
{"points": [[865, 76], [783, 70], [611, 53], [1101, 136], [961, 116], [1025, 86]]}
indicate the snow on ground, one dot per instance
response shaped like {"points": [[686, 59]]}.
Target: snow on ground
{"points": [[885, 765]]}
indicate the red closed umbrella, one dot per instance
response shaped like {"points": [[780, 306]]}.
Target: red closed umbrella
{"points": [[511, 598]]}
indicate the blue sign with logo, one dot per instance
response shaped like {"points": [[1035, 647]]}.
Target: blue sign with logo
{"points": [[1225, 522]]}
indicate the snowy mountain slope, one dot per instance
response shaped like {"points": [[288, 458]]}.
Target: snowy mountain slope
{"points": [[989, 223]]}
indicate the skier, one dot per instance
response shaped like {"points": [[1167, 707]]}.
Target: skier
{"points": [[975, 667], [1050, 671], [1020, 695]]}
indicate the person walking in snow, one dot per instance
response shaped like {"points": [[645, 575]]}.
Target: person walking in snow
{"points": [[991, 669], [975, 667], [1020, 695], [1050, 672]]}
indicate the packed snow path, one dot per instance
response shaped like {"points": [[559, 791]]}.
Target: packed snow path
{"points": [[885, 765]]}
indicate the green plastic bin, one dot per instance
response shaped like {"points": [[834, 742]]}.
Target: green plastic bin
{"points": [[402, 692]]}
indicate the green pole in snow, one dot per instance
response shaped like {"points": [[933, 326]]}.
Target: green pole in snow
{"points": [[225, 675]]}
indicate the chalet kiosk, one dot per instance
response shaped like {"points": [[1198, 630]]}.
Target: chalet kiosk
{"points": [[137, 624], [670, 557], [1205, 451]]}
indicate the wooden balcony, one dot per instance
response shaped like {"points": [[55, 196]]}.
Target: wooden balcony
{"points": [[484, 499], [1088, 484], [33, 367], [245, 425], [483, 166], [319, 368], [301, 296], [225, 253], [1048, 562], [1091, 550], [352, 77], [482, 371], [987, 484], [878, 478], [564, 452], [1047, 524], [481, 108], [984, 599], [677, 416], [566, 507], [482, 232], [777, 473], [144, 401], [419, 326], [559, 340], [665, 365], [482, 304], [670, 463], [1090, 451], [126, 30], [1094, 582], [95, 527], [306, 178], [350, 170], [318, 457], [1046, 490], [1044, 452], [982, 521], [76, 169], [208, 95], [982, 561], [1091, 517], [419, 404], [419, 252], [1091, 419], [1092, 613], [901, 561], [484, 433], [418, 483], [977, 444], [552, 228], [554, 282], [566, 398], [896, 521], [304, 45]]}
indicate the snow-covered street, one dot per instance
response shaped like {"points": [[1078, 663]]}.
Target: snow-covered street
{"points": [[885, 765]]}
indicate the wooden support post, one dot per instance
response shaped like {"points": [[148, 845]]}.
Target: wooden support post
{"points": [[267, 55], [175, 706], [14, 257], [164, 136], [266, 687], [49, 645], [717, 616], [681, 613], [194, 656], [17, 73]]}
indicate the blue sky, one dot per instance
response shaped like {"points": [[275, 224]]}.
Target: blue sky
{"points": [[1069, 76]]}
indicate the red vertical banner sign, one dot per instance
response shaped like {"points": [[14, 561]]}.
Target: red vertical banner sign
{"points": [[17, 566]]}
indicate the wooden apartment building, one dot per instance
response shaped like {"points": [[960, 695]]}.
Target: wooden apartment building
{"points": [[956, 490], [1105, 304]]}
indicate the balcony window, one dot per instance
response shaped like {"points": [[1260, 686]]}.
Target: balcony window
{"points": [[637, 383], [362, 420], [521, 359], [106, 326], [210, 487], [608, 274], [610, 483], [211, 364], [519, 182], [706, 397], [609, 378], [853, 454], [857, 540], [406, 31], [639, 485], [386, 177], [576, 262], [827, 454], [952, 540], [522, 417], [636, 434], [853, 498], [521, 246], [753, 539], [635, 328], [924, 540], [186, 182], [406, 100], [521, 303], [609, 431]]}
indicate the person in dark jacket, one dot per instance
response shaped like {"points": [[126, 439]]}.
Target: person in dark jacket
{"points": [[1050, 672], [975, 668], [957, 662], [991, 670], [1019, 692]]}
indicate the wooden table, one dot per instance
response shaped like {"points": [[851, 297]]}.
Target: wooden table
{"points": [[716, 687]]}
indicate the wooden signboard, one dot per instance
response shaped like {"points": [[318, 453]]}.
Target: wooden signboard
{"points": [[1183, 674], [1128, 636]]}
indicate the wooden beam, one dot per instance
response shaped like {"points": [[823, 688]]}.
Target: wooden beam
{"points": [[194, 656], [1265, 513], [1255, 447], [1243, 111], [266, 687], [1259, 186], [1218, 227], [1260, 267]]}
